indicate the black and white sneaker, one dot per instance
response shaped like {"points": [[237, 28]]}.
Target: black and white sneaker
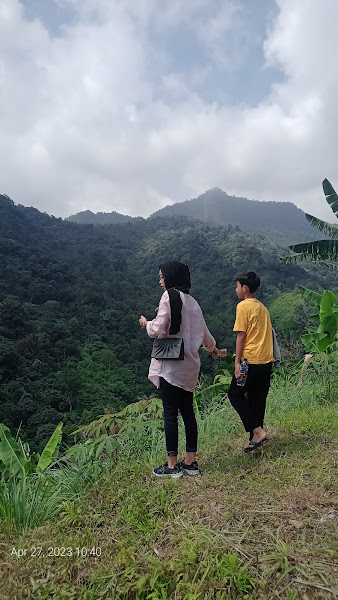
{"points": [[189, 469], [174, 472]]}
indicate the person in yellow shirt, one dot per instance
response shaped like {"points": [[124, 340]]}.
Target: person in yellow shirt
{"points": [[255, 343]]}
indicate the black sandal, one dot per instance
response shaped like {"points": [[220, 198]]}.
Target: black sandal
{"points": [[254, 445]]}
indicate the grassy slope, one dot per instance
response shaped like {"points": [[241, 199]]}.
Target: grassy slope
{"points": [[249, 527]]}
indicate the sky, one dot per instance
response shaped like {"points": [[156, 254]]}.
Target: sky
{"points": [[131, 105]]}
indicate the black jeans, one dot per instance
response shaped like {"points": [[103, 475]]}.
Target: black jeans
{"points": [[176, 399], [250, 400]]}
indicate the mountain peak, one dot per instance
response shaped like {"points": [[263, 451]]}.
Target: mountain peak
{"points": [[281, 222]]}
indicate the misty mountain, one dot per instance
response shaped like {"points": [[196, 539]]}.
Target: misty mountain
{"points": [[280, 222]]}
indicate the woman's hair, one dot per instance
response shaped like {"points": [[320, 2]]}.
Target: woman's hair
{"points": [[176, 275], [250, 279]]}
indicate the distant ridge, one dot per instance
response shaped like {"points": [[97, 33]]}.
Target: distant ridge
{"points": [[282, 223], [101, 218]]}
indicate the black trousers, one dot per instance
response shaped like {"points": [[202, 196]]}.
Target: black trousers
{"points": [[250, 400], [176, 399]]}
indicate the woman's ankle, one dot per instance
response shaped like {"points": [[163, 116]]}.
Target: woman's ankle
{"points": [[172, 461], [258, 433], [190, 457]]}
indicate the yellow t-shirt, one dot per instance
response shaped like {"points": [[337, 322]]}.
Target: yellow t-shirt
{"points": [[253, 318]]}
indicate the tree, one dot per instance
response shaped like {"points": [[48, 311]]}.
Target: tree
{"points": [[9, 358], [321, 250]]}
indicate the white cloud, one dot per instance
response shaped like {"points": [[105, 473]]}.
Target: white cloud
{"points": [[95, 118]]}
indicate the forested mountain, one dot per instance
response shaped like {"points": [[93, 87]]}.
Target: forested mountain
{"points": [[100, 218], [280, 222], [70, 297]]}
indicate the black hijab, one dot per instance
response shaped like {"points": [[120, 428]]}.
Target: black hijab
{"points": [[176, 277]]}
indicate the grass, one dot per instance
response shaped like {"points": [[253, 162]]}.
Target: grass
{"points": [[30, 501], [252, 527]]}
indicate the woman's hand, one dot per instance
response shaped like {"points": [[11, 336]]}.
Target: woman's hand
{"points": [[218, 353], [143, 321]]}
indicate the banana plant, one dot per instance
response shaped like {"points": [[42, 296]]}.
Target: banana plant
{"points": [[321, 250], [16, 460], [51, 450], [323, 336]]}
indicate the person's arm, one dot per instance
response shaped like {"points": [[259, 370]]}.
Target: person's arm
{"points": [[159, 325], [240, 343], [240, 327], [209, 343]]}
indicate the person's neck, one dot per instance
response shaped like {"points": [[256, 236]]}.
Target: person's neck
{"points": [[249, 296]]}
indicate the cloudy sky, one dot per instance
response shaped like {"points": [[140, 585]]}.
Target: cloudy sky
{"points": [[130, 105]]}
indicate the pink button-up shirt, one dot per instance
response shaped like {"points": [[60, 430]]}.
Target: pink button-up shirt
{"points": [[181, 373]]}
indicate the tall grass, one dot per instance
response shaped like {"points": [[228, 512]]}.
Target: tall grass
{"points": [[33, 500], [217, 421]]}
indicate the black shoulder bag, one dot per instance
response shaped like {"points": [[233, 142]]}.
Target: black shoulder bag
{"points": [[168, 349]]}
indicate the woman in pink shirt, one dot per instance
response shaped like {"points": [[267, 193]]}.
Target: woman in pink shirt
{"points": [[179, 315]]}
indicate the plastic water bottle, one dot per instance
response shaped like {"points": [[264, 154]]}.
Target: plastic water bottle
{"points": [[243, 369]]}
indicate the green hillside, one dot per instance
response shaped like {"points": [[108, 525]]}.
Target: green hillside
{"points": [[70, 297]]}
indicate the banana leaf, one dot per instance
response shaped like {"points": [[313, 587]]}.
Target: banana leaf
{"points": [[12, 454], [327, 228], [310, 295], [319, 250], [213, 390], [316, 298], [51, 450], [327, 303], [312, 329], [331, 196], [329, 326], [328, 315], [312, 341], [314, 318]]}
